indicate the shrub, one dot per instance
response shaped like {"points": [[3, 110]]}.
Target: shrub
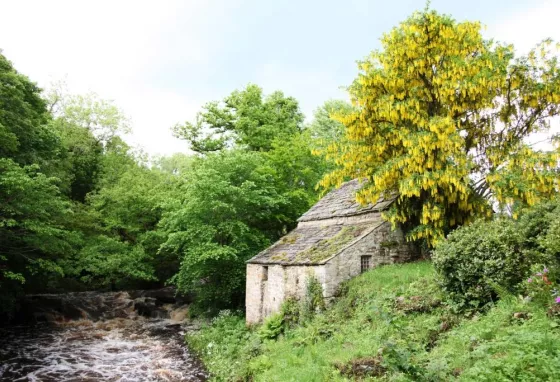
{"points": [[549, 240], [474, 261], [538, 222], [313, 301], [272, 327], [289, 316], [226, 346]]}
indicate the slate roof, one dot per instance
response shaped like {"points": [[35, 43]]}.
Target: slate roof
{"points": [[342, 202], [313, 244]]}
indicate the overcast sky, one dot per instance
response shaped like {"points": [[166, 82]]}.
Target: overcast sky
{"points": [[161, 60]]}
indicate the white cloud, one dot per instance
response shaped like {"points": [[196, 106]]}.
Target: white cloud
{"points": [[529, 26], [111, 48], [524, 30]]}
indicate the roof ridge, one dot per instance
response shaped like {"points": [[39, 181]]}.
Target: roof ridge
{"points": [[341, 202]]}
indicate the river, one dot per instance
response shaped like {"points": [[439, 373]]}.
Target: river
{"points": [[99, 337]]}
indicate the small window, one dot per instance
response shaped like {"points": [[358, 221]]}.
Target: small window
{"points": [[365, 263], [265, 274]]}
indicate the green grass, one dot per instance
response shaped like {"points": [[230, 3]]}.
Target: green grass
{"points": [[390, 325]]}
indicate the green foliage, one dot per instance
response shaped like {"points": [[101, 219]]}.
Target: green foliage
{"points": [[246, 119], [272, 327], [81, 159], [32, 231], [313, 301], [476, 261], [545, 221], [78, 208], [476, 258], [226, 346], [78, 204], [325, 129], [388, 326], [101, 117], [24, 136], [228, 210], [292, 312], [256, 176], [500, 347]]}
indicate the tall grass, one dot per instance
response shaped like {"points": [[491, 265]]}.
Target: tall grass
{"points": [[390, 324]]}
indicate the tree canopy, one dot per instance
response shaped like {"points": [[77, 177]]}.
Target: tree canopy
{"points": [[440, 121], [244, 118], [255, 176]]}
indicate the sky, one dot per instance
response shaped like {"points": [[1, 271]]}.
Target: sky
{"points": [[160, 61]]}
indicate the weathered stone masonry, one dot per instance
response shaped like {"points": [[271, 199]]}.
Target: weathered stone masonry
{"points": [[333, 242]]}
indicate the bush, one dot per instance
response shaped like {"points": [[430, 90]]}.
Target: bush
{"points": [[226, 346], [313, 301], [477, 260], [272, 327], [549, 241]]}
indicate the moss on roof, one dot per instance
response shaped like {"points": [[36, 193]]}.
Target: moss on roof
{"points": [[329, 247], [310, 245], [316, 242]]}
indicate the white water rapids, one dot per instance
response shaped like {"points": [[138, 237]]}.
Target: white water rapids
{"points": [[128, 349]]}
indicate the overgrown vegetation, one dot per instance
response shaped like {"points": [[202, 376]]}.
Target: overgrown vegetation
{"points": [[488, 308], [440, 120], [331, 246], [392, 324], [475, 262]]}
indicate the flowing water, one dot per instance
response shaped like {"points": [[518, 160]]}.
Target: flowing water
{"points": [[107, 340]]}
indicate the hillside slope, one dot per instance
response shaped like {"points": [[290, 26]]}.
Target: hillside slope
{"points": [[390, 324]]}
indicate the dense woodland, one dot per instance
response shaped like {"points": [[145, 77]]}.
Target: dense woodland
{"points": [[80, 209]]}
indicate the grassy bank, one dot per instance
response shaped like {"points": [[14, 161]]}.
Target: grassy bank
{"points": [[390, 324]]}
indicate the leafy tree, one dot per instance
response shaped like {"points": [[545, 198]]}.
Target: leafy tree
{"points": [[99, 116], [33, 235], [227, 211], [80, 162], [256, 176], [245, 118], [440, 119], [325, 129], [32, 210], [176, 164], [88, 126], [24, 136], [296, 172], [119, 223]]}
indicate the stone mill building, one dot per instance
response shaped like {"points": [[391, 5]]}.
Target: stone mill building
{"points": [[334, 241]]}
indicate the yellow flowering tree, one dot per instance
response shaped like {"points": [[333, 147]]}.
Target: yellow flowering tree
{"points": [[440, 118]]}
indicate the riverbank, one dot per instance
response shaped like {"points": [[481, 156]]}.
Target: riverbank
{"points": [[390, 324]]}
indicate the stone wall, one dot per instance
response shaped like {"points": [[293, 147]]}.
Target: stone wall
{"points": [[384, 245], [254, 293], [269, 286]]}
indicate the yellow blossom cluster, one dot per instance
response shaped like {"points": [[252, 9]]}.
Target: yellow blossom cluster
{"points": [[438, 107]]}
